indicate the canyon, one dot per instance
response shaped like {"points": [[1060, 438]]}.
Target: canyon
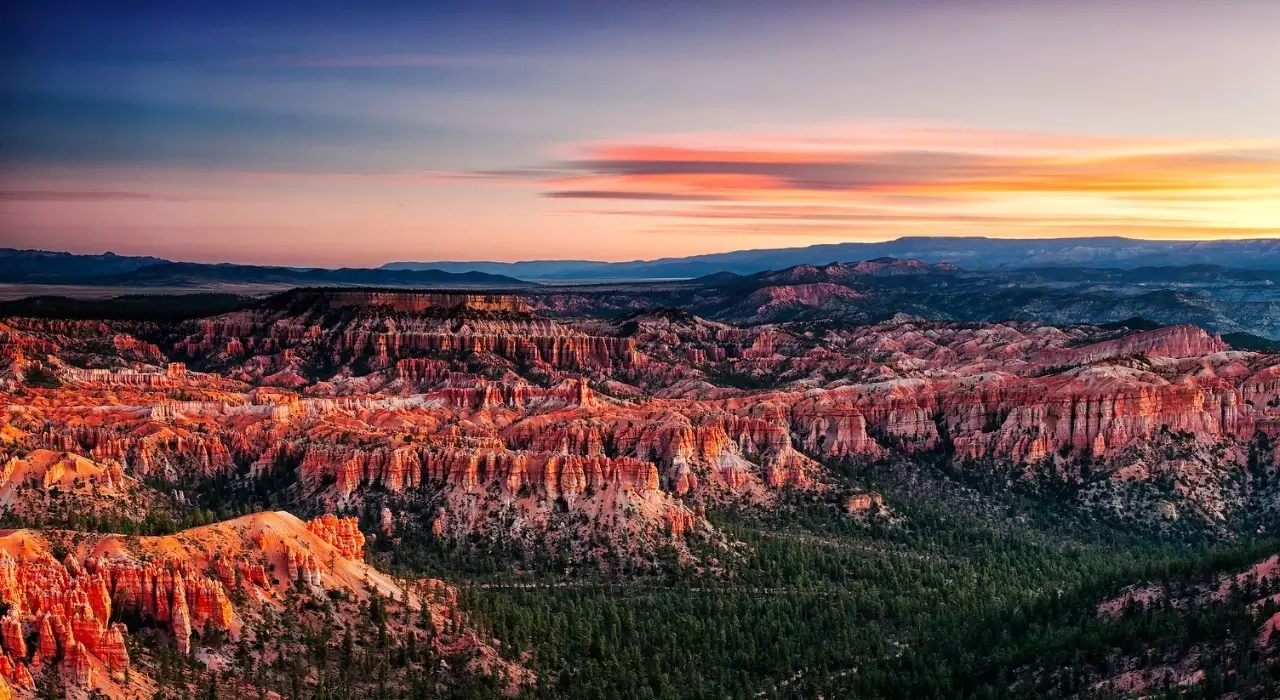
{"points": [[638, 423], [601, 431]]}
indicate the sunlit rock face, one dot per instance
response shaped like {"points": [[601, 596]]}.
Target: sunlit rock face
{"points": [[510, 419], [290, 337], [60, 614]]}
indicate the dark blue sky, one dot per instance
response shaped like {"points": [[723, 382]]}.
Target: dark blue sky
{"points": [[309, 120]]}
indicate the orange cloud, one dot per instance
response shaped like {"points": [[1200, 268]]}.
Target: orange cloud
{"points": [[936, 179]]}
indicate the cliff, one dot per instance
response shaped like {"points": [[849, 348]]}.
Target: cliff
{"points": [[61, 614], [518, 421]]}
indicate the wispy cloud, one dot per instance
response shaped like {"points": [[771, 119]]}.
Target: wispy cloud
{"points": [[79, 196], [619, 194], [935, 179]]}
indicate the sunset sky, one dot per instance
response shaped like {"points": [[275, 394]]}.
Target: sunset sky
{"points": [[354, 134]]}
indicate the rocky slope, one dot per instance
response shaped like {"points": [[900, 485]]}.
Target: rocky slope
{"points": [[203, 591], [1251, 593], [515, 433], [482, 416]]}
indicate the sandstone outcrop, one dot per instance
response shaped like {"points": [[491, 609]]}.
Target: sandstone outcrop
{"points": [[69, 606], [343, 533], [391, 326], [653, 413]]}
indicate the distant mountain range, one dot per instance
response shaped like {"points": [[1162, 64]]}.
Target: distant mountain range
{"points": [[759, 286], [110, 270], [196, 274], [42, 265], [971, 253]]}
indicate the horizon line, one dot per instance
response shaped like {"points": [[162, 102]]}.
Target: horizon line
{"points": [[899, 239]]}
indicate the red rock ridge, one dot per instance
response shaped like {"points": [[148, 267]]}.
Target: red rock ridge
{"points": [[768, 299], [67, 606]]}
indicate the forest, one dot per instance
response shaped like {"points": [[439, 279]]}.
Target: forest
{"points": [[966, 592]]}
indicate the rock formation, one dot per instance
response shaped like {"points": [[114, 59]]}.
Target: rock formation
{"points": [[516, 417], [68, 606]]}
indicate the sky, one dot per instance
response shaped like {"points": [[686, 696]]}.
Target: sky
{"points": [[353, 134]]}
